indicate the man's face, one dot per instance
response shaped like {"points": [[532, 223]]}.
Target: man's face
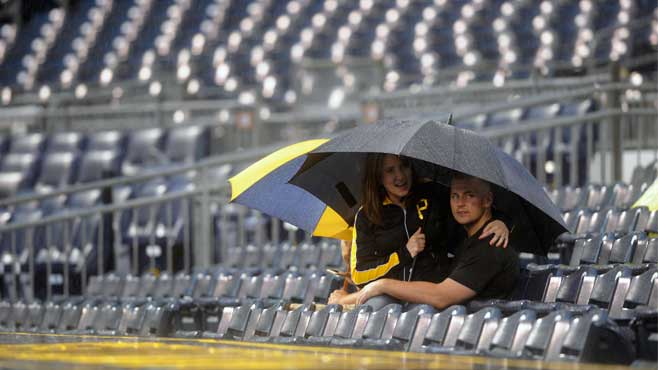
{"points": [[469, 200]]}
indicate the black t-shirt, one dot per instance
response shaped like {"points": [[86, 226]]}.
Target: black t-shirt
{"points": [[490, 271]]}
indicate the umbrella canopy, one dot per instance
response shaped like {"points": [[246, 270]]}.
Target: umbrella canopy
{"points": [[264, 186], [333, 172]]}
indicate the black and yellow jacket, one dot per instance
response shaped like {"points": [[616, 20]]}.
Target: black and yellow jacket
{"points": [[379, 250]]}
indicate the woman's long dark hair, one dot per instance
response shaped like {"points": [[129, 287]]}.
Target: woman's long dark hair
{"points": [[373, 191]]}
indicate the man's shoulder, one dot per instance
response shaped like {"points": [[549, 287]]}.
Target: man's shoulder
{"points": [[482, 247]]}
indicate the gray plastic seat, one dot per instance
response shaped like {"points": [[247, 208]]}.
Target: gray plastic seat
{"points": [[66, 141], [606, 285], [476, 333], [270, 322], [158, 320], [547, 335], [105, 140], [35, 316], [587, 250], [70, 317], [591, 338], [132, 319], [57, 170], [187, 144], [445, 327], [96, 165], [623, 248], [32, 143], [237, 322], [109, 319], [511, 334], [51, 317]]}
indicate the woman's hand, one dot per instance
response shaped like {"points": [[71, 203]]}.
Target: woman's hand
{"points": [[336, 296], [371, 290], [416, 243], [500, 233]]}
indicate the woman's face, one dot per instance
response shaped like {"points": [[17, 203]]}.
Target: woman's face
{"points": [[396, 178]]}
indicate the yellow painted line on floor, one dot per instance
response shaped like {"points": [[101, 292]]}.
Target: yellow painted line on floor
{"points": [[173, 353]]}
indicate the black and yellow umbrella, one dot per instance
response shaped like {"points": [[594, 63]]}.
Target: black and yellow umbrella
{"points": [[264, 186]]}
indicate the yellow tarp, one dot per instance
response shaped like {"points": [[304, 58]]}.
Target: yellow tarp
{"points": [[649, 198]]}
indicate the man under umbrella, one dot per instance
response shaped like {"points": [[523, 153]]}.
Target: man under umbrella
{"points": [[477, 271]]}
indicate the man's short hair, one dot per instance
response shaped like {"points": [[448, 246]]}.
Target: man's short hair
{"points": [[486, 186]]}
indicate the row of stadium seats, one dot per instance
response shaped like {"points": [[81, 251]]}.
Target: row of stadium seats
{"points": [[526, 334], [284, 256], [597, 197], [619, 288], [585, 222], [517, 329], [162, 225], [560, 335], [201, 297], [603, 249], [622, 289], [39, 163], [518, 116], [236, 46]]}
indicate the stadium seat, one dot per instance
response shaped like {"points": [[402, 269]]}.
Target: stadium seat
{"points": [[51, 317], [132, 319], [321, 285], [66, 141], [511, 335], [58, 169], [158, 320], [70, 317], [113, 140], [32, 143], [109, 319], [475, 335], [547, 335], [96, 165], [590, 338], [646, 251], [36, 312], [651, 225], [234, 323], [143, 150], [21, 168], [444, 328], [270, 322], [187, 144], [294, 326], [89, 316]]}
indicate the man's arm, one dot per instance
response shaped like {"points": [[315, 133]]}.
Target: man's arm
{"points": [[440, 295]]}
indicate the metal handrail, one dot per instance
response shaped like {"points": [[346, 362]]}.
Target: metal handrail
{"points": [[108, 208], [237, 157]]}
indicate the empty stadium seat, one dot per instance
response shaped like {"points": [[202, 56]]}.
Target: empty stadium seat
{"points": [[96, 165], [187, 144], [143, 150], [58, 169], [68, 141]]}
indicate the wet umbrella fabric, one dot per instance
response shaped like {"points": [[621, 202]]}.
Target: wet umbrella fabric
{"points": [[333, 172], [264, 186]]}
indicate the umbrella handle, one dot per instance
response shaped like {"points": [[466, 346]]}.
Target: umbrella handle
{"points": [[411, 270], [420, 207]]}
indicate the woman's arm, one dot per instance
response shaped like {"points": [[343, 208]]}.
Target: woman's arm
{"points": [[367, 263]]}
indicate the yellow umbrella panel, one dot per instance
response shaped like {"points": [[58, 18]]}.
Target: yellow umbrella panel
{"points": [[264, 186]]}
